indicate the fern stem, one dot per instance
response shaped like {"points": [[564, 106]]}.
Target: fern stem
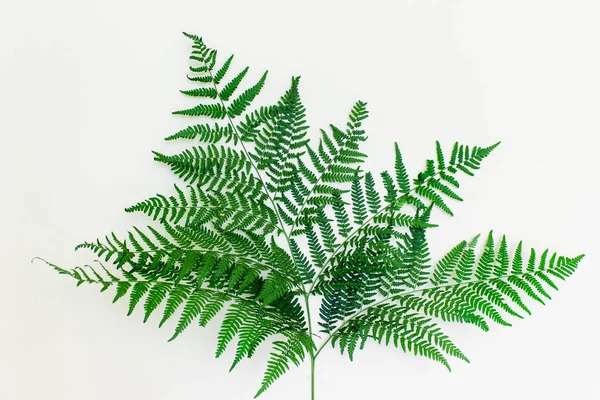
{"points": [[324, 343], [312, 378], [311, 351], [308, 320]]}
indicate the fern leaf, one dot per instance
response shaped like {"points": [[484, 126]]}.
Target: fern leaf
{"points": [[176, 298], [292, 350], [447, 265], [122, 289], [214, 110], [193, 306], [264, 223], [156, 295], [435, 198], [466, 262], [359, 209], [234, 318], [239, 105], [401, 175], [306, 271], [440, 156], [485, 265], [341, 216], [208, 93], [232, 85], [220, 74], [373, 200]]}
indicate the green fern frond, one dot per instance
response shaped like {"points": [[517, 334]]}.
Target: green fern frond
{"points": [[215, 110], [280, 142], [462, 159], [417, 256], [373, 199], [156, 295], [294, 350], [220, 74], [334, 161], [401, 174], [232, 85], [447, 265], [208, 93], [193, 306], [359, 208], [391, 325], [268, 221], [205, 133], [466, 262], [239, 105], [471, 301], [485, 266]]}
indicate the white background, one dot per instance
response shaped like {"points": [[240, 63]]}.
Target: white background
{"points": [[86, 91]]}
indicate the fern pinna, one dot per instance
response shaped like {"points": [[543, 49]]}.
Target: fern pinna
{"points": [[262, 219]]}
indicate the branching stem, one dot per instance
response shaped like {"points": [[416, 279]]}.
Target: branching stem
{"points": [[311, 352]]}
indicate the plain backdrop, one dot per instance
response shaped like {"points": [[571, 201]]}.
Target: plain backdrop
{"points": [[86, 92]]}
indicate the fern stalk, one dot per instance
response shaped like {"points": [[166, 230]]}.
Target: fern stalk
{"points": [[215, 249]]}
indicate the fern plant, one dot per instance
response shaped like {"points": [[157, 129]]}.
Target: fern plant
{"points": [[262, 219]]}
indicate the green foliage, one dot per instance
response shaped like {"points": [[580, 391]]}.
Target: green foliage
{"points": [[262, 220]]}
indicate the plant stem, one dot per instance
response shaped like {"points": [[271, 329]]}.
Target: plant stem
{"points": [[312, 377], [311, 351]]}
